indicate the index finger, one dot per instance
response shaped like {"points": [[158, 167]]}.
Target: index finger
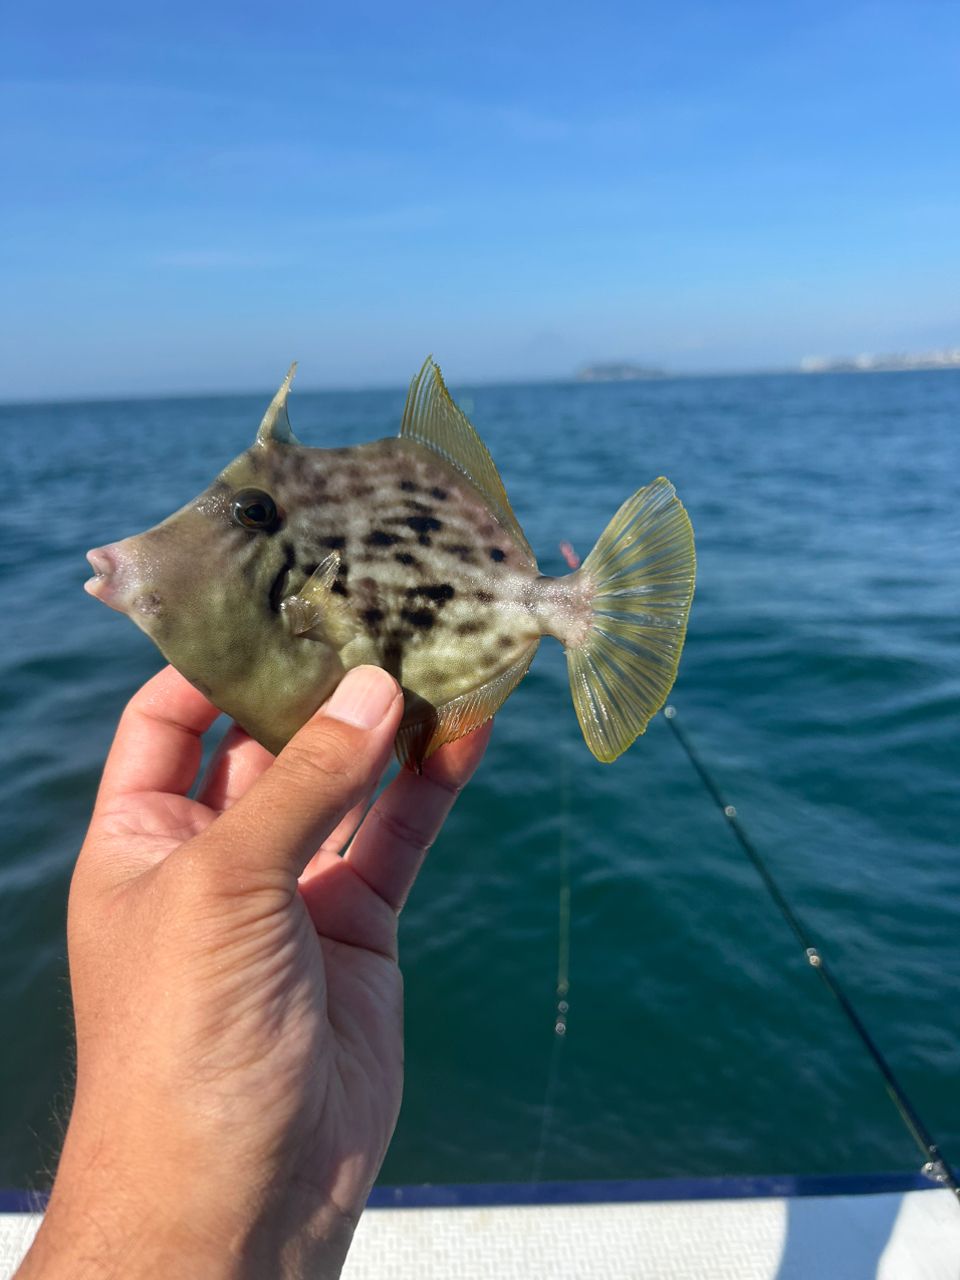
{"points": [[157, 745], [388, 850]]}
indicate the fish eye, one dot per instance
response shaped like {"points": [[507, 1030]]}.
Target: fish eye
{"points": [[255, 509]]}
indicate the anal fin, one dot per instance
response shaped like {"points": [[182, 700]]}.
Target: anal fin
{"points": [[425, 728]]}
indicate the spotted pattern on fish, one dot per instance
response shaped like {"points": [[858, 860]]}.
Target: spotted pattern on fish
{"points": [[429, 571]]}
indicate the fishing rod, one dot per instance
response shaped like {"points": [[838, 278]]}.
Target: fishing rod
{"points": [[935, 1167]]}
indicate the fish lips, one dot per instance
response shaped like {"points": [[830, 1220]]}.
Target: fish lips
{"points": [[117, 583]]}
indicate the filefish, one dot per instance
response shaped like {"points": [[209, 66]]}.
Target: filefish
{"points": [[299, 563]]}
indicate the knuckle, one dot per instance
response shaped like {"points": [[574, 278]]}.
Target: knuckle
{"points": [[322, 755], [408, 833]]}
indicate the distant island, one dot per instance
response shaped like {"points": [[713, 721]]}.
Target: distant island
{"points": [[947, 358], [617, 371]]}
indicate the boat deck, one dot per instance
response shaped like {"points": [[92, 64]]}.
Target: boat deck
{"points": [[852, 1230]]}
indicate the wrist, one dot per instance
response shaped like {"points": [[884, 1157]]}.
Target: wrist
{"points": [[99, 1240], [102, 1228]]}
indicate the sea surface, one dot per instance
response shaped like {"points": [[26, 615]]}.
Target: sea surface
{"points": [[820, 684]]}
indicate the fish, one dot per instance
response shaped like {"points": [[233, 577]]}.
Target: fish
{"points": [[298, 563]]}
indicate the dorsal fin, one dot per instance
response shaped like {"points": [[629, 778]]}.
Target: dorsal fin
{"points": [[276, 425], [431, 418]]}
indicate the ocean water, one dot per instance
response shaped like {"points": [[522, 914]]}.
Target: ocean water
{"points": [[821, 684]]}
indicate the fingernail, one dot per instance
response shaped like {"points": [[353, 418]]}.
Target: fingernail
{"points": [[362, 698]]}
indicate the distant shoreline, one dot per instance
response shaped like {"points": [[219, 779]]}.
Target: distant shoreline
{"points": [[889, 362], [571, 380], [619, 371]]}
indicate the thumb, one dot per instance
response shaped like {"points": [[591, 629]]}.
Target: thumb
{"points": [[330, 765]]}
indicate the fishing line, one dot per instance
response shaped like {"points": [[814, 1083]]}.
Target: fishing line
{"points": [[562, 990], [936, 1167]]}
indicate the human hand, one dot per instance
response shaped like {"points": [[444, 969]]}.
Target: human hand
{"points": [[237, 997]]}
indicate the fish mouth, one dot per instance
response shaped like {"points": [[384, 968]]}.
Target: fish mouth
{"points": [[107, 583]]}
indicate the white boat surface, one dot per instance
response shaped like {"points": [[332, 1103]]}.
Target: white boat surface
{"points": [[887, 1227]]}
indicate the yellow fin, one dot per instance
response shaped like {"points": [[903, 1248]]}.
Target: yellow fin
{"points": [[426, 728], [275, 426], [431, 418], [315, 612], [642, 574]]}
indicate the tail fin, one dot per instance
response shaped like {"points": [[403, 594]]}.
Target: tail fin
{"points": [[642, 572]]}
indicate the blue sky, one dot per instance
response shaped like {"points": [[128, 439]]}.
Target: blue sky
{"points": [[195, 194]]}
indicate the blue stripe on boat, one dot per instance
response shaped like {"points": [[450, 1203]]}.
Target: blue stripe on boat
{"points": [[646, 1189]]}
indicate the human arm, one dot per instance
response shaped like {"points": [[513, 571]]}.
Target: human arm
{"points": [[237, 998]]}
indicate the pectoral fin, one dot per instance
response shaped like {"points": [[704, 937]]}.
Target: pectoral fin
{"points": [[316, 612]]}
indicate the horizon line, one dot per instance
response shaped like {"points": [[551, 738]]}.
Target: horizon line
{"points": [[575, 379]]}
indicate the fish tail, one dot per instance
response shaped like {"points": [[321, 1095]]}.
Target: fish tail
{"points": [[632, 597]]}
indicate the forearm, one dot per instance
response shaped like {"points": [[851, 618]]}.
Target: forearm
{"points": [[100, 1243], [77, 1242], [101, 1226]]}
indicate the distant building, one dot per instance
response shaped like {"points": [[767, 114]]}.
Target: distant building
{"points": [[946, 358], [617, 371]]}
